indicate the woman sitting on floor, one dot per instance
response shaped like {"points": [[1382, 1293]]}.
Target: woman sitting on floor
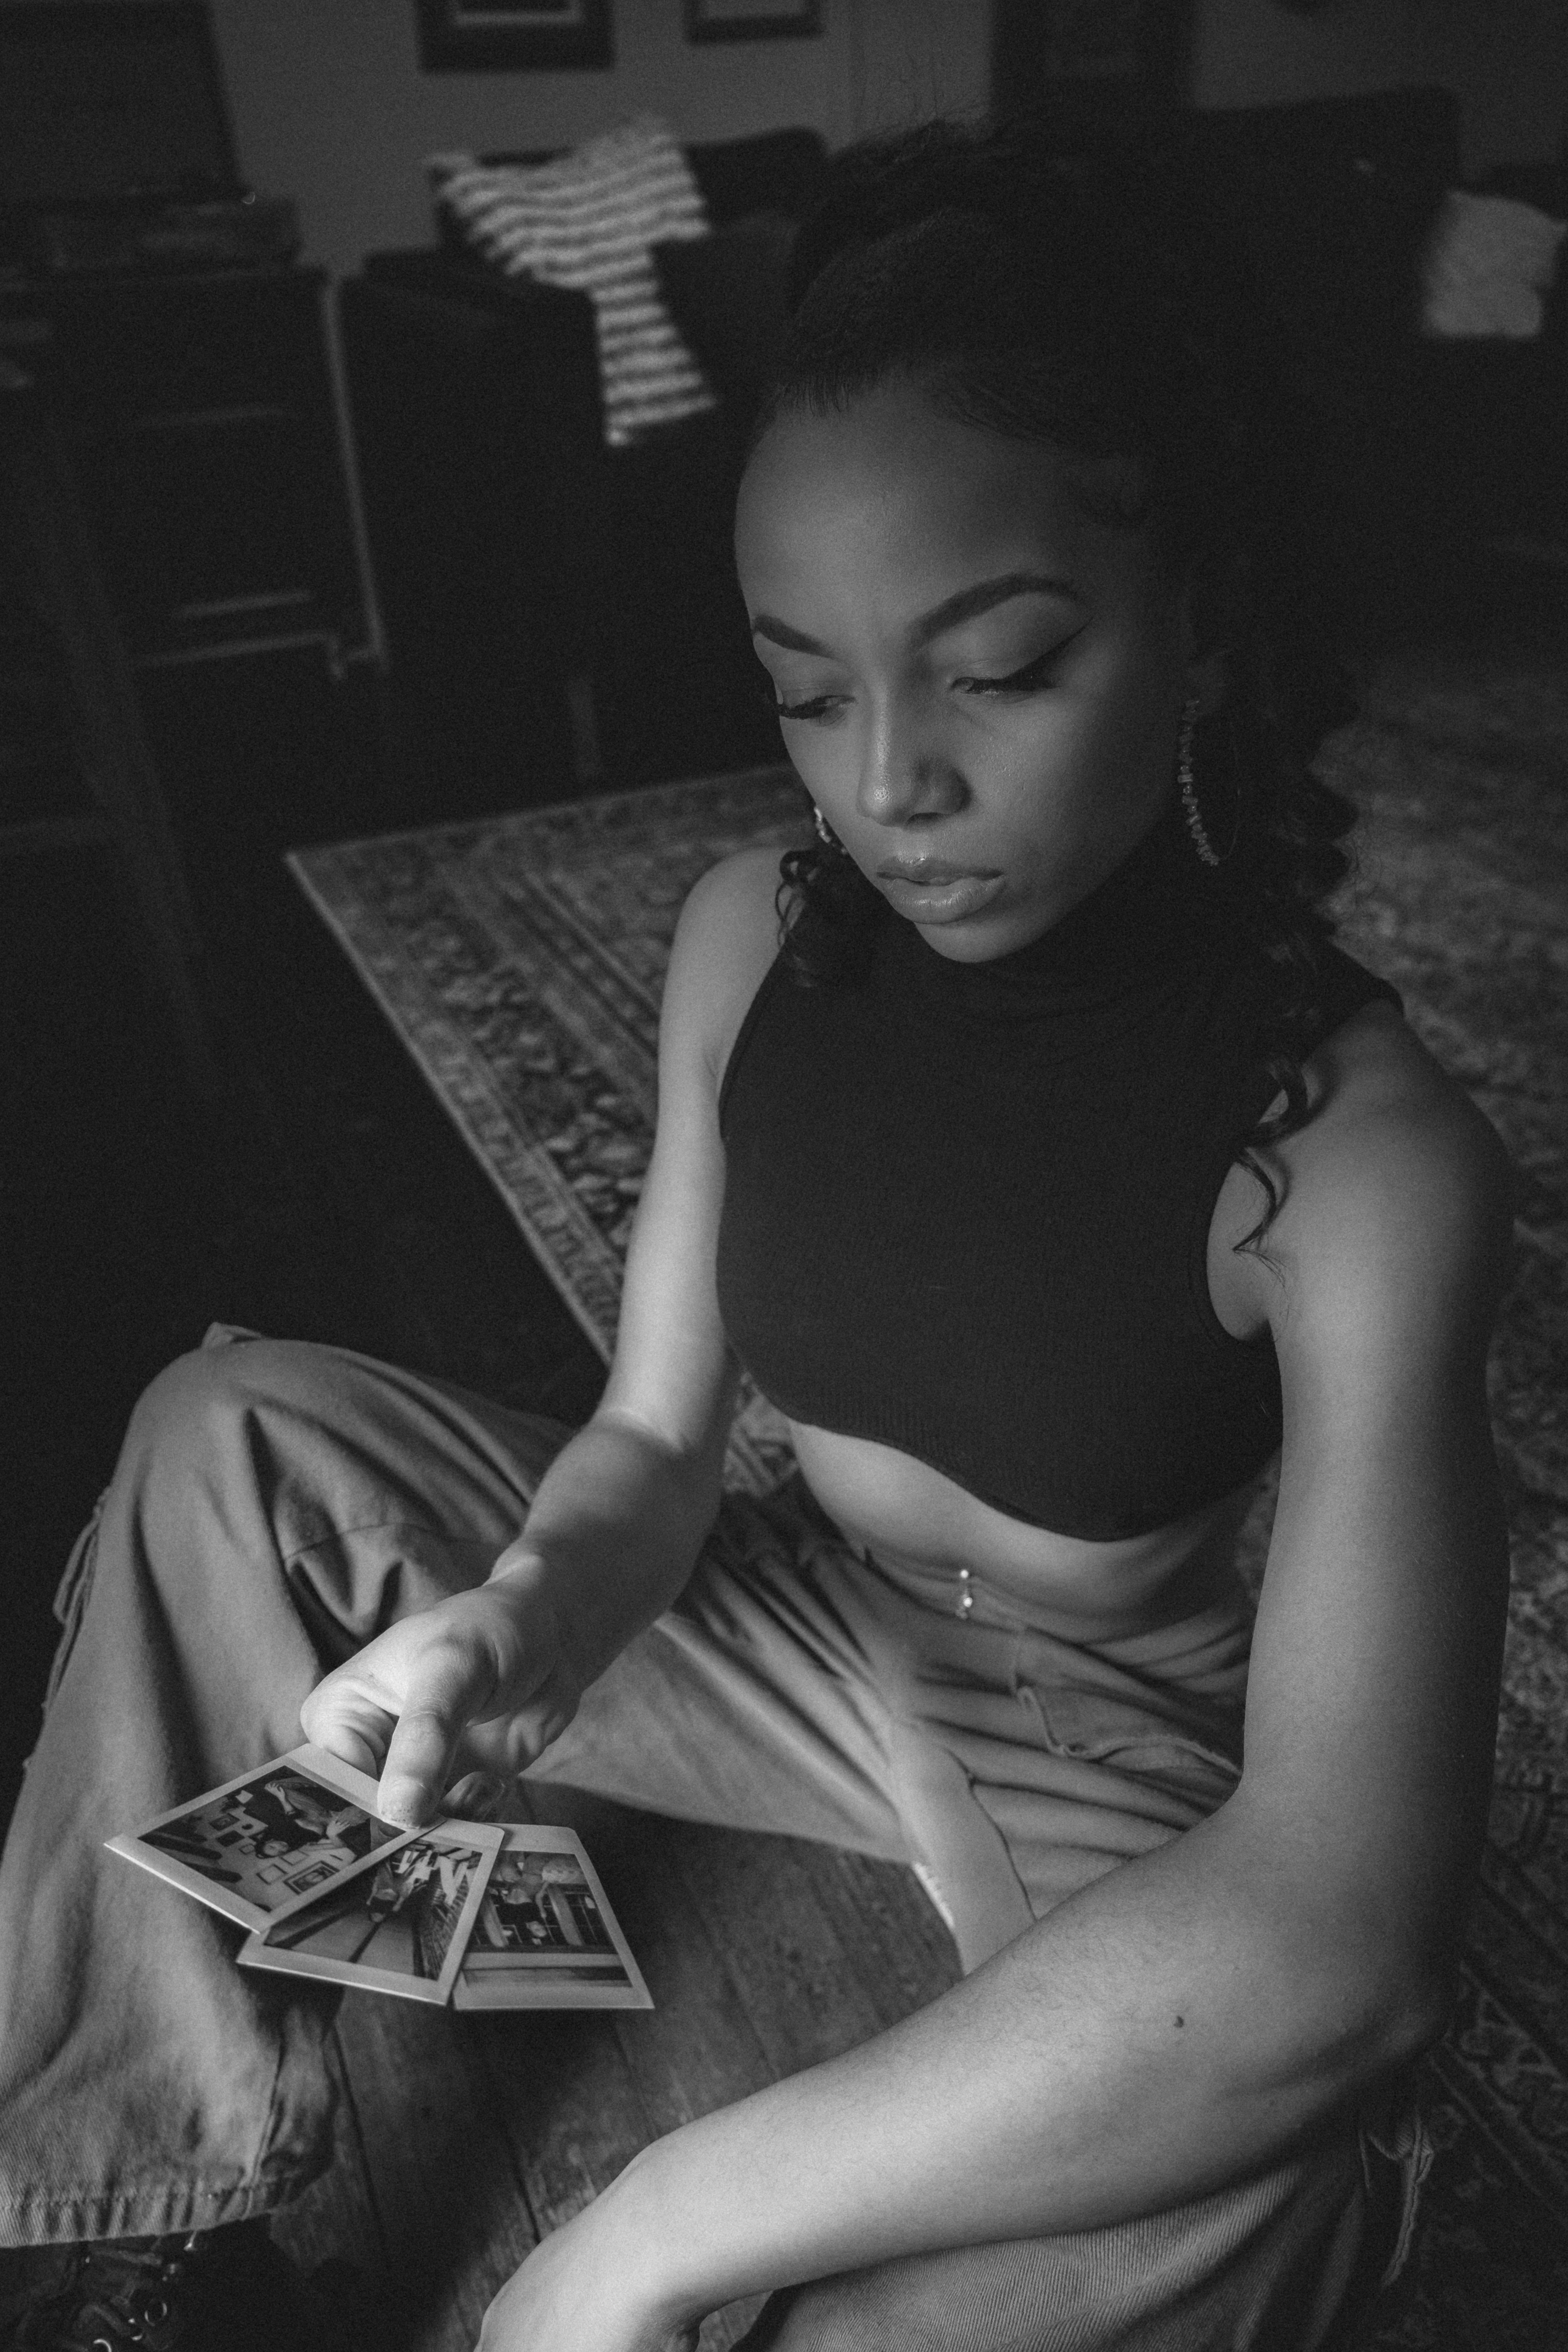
{"points": [[1052, 1172]]}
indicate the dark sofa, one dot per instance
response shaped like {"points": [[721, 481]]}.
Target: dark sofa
{"points": [[560, 616], [563, 616], [1425, 448]]}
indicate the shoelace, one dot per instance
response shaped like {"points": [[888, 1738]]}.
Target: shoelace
{"points": [[121, 2292]]}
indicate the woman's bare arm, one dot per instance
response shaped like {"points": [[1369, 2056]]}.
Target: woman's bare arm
{"points": [[1196, 2012], [490, 1677]]}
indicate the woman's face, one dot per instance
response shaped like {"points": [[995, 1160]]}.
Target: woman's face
{"points": [[981, 685]]}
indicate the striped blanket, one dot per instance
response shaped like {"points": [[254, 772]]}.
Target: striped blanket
{"points": [[588, 220]]}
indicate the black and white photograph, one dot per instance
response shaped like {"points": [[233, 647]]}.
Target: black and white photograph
{"points": [[784, 1168], [259, 1847], [545, 1937], [397, 1926]]}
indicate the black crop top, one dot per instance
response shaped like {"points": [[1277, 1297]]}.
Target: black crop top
{"points": [[966, 1206]]}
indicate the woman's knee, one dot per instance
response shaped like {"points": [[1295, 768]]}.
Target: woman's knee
{"points": [[192, 1409], [358, 1489]]}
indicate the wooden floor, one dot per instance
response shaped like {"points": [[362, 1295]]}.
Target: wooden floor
{"points": [[463, 2140]]}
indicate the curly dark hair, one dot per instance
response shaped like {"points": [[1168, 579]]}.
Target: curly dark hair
{"points": [[1097, 309]]}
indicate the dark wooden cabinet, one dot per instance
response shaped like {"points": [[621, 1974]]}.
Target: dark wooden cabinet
{"points": [[201, 417]]}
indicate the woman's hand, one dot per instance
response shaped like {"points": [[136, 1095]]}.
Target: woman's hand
{"points": [[482, 1680], [587, 2288]]}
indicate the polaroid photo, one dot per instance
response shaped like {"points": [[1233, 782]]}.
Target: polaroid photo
{"points": [[267, 1842], [547, 1937], [399, 1922]]}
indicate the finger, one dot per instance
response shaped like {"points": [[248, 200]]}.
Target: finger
{"points": [[348, 1722], [417, 1763], [509, 1745], [442, 1698], [475, 1754], [538, 1727], [354, 1748], [477, 1797]]}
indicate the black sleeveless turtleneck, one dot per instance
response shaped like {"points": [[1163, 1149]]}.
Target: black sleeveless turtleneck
{"points": [[967, 1206]]}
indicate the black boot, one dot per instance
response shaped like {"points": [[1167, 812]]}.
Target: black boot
{"points": [[229, 2290]]}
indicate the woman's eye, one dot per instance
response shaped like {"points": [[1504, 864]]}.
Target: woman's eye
{"points": [[815, 708], [821, 707], [1018, 681]]}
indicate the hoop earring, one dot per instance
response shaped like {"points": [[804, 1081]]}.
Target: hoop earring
{"points": [[1207, 851], [825, 831]]}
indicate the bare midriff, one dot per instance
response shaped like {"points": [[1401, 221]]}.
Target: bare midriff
{"points": [[945, 1544], [936, 1536]]}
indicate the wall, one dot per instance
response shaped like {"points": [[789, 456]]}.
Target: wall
{"points": [[1257, 53], [330, 105], [1508, 60]]}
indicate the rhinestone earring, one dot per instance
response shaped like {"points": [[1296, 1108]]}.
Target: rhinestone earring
{"points": [[1189, 810], [825, 831]]}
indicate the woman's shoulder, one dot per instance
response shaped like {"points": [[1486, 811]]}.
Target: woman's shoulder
{"points": [[1375, 1088], [725, 944], [1395, 1174]]}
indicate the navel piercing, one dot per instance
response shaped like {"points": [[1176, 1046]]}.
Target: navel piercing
{"points": [[1201, 842], [965, 1601]]}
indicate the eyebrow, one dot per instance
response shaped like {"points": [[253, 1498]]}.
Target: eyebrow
{"points": [[982, 597]]}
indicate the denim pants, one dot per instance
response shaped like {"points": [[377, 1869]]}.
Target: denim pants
{"points": [[275, 1505]]}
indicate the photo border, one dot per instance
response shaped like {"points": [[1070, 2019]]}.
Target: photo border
{"points": [[355, 1976], [314, 1763], [522, 1837]]}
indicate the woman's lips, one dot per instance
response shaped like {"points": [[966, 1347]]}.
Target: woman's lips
{"points": [[937, 894]]}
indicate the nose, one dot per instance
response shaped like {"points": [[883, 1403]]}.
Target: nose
{"points": [[906, 775]]}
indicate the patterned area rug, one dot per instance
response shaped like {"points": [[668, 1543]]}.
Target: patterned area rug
{"points": [[520, 960]]}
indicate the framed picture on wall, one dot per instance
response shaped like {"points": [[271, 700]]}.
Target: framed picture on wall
{"points": [[1094, 67], [750, 20], [512, 35]]}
